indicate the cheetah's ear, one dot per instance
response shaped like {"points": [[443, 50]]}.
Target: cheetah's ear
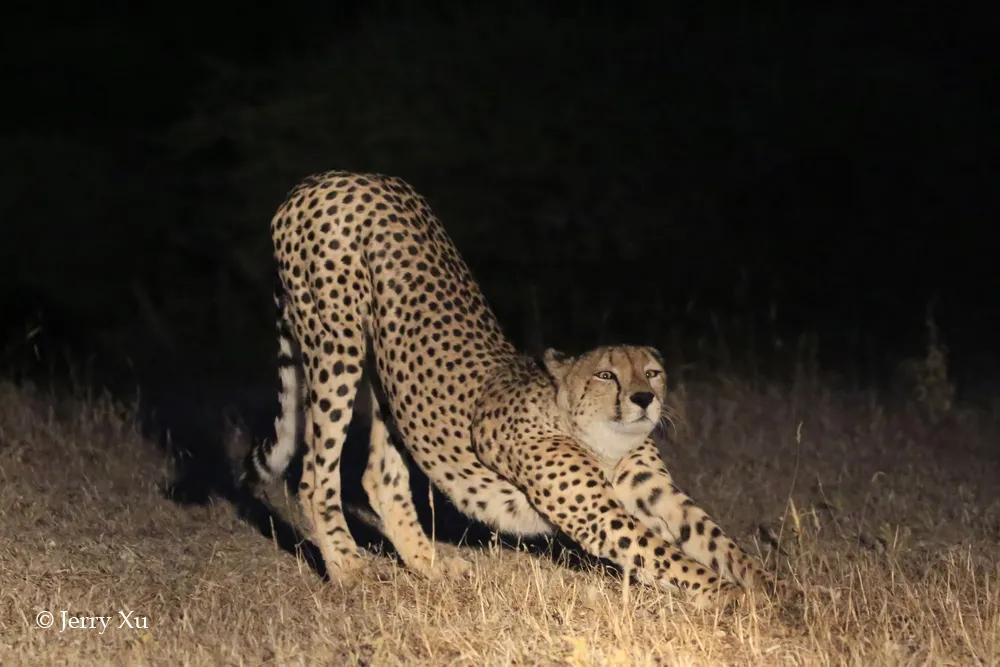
{"points": [[557, 363]]}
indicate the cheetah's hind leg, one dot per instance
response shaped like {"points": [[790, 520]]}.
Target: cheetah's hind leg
{"points": [[332, 373], [386, 480]]}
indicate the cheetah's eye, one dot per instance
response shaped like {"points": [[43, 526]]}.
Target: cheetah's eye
{"points": [[604, 375], [652, 373]]}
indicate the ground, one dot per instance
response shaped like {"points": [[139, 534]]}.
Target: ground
{"points": [[889, 528]]}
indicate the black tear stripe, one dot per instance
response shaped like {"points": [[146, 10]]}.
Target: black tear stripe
{"points": [[618, 400], [586, 388], [618, 388]]}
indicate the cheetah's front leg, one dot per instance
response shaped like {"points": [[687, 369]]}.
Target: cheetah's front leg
{"points": [[565, 483], [386, 480], [645, 488]]}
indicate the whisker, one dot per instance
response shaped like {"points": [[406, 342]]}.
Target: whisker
{"points": [[667, 418]]}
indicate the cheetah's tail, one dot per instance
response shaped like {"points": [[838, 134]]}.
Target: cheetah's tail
{"points": [[268, 459]]}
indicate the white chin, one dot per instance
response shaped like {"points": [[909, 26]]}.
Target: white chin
{"points": [[640, 426], [612, 440]]}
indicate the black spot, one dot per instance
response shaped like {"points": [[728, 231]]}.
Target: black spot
{"points": [[641, 477]]}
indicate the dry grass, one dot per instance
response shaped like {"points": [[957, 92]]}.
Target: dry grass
{"points": [[890, 539]]}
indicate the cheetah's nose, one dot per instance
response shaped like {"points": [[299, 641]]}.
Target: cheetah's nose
{"points": [[642, 398]]}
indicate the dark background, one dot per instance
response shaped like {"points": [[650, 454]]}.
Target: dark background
{"points": [[749, 188]]}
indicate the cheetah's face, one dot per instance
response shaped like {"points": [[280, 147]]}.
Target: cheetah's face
{"points": [[613, 396]]}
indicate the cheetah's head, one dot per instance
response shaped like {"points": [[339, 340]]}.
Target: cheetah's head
{"points": [[613, 396]]}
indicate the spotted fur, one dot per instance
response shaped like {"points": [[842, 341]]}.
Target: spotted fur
{"points": [[365, 267]]}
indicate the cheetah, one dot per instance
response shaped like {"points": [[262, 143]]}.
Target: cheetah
{"points": [[365, 270]]}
